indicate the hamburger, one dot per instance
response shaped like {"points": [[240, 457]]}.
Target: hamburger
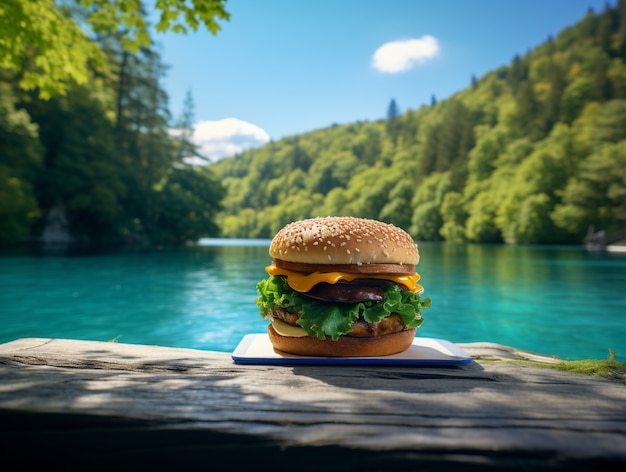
{"points": [[342, 287]]}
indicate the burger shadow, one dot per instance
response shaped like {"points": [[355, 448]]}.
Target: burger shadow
{"points": [[407, 379], [398, 374]]}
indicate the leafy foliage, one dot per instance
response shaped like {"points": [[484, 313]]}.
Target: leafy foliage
{"points": [[92, 145], [44, 43], [20, 160], [335, 319]]}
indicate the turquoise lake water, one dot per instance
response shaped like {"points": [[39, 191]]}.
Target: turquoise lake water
{"points": [[561, 301]]}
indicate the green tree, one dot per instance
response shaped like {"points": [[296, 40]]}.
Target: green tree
{"points": [[188, 205], [426, 221], [393, 121], [621, 33], [481, 221], [597, 194], [184, 130], [575, 96], [455, 140], [44, 46], [483, 157], [20, 162], [534, 190], [611, 122], [82, 168], [551, 109], [453, 216], [526, 119], [367, 146], [398, 209], [455, 136], [368, 192], [335, 203], [429, 155], [329, 172], [108, 157], [47, 47], [142, 133], [517, 73], [297, 158]]}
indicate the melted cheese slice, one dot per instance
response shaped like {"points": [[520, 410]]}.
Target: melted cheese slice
{"points": [[304, 282], [285, 329]]}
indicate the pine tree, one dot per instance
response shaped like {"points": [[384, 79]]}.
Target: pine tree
{"points": [[187, 151], [393, 121]]}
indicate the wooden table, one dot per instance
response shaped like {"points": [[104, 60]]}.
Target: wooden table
{"points": [[82, 404]]}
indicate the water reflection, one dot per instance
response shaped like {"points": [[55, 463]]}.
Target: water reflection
{"points": [[556, 300]]}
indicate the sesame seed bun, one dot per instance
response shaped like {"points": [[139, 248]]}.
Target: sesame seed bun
{"points": [[343, 240], [345, 346]]}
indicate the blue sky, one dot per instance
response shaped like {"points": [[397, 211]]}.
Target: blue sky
{"points": [[285, 67]]}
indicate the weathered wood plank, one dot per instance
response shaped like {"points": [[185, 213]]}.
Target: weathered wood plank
{"points": [[111, 401]]}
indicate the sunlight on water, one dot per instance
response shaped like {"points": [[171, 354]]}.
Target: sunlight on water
{"points": [[555, 300]]}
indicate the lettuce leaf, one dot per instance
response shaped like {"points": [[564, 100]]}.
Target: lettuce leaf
{"points": [[321, 319]]}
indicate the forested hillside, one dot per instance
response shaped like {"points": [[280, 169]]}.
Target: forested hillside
{"points": [[534, 152]]}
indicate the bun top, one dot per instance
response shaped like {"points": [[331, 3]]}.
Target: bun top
{"points": [[343, 240]]}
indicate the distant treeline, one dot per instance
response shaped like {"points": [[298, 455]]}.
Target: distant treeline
{"points": [[97, 164], [534, 152]]}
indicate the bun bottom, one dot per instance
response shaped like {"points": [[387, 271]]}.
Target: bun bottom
{"points": [[345, 346]]}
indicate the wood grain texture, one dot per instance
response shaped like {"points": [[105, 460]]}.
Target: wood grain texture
{"points": [[74, 403]]}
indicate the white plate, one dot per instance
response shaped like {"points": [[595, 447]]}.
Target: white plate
{"points": [[257, 349]]}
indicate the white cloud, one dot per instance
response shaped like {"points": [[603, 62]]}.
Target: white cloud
{"points": [[400, 56], [217, 139]]}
